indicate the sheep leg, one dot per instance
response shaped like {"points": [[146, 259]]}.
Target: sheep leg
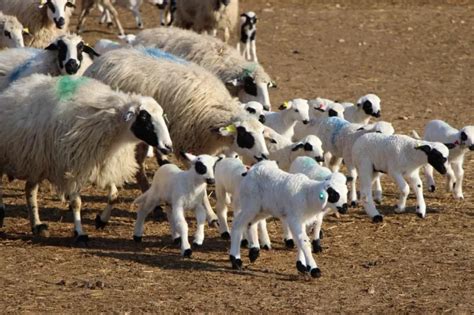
{"points": [[316, 232], [221, 210], [287, 236], [404, 191], [140, 156], [430, 179], [263, 235], [201, 220], [366, 192], [86, 8], [241, 221], [378, 188], [303, 244], [108, 6], [417, 186], [459, 174], [75, 204], [254, 51], [182, 228], [37, 227], [353, 192]]}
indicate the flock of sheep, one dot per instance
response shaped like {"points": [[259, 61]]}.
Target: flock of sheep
{"points": [[72, 115]]}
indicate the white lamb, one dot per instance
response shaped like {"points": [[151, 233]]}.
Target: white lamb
{"points": [[45, 19], [400, 157], [248, 33], [11, 32], [366, 107], [67, 130], [182, 190], [458, 142], [289, 114]]}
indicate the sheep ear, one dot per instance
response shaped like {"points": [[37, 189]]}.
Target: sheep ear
{"points": [[52, 46], [90, 51], [450, 145], [425, 148], [284, 106], [298, 146], [188, 156]]}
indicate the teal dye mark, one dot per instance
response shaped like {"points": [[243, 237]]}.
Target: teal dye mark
{"points": [[68, 85], [19, 70], [160, 54], [338, 124]]}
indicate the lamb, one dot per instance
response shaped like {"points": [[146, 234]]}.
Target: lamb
{"points": [[107, 5], [182, 190], [67, 54], [44, 24], [208, 16], [399, 156], [11, 32], [293, 198], [290, 113], [255, 109], [245, 79], [248, 33], [167, 11], [367, 106], [458, 142], [84, 124]]}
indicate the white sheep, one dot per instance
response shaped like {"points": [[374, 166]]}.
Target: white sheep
{"points": [[167, 11], [67, 54], [11, 32], [107, 6], [182, 190], [75, 127], [208, 16], [247, 80], [400, 157], [248, 33], [45, 19], [458, 142], [256, 109], [289, 114], [366, 107]]}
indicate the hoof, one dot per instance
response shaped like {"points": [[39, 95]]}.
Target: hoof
{"points": [[236, 262], [137, 239], [187, 253], [196, 245], [321, 235], [432, 188], [377, 219], [2, 215], [244, 243], [225, 236], [41, 230], [214, 224], [177, 241], [159, 215], [317, 246], [254, 252], [99, 224], [300, 267], [354, 204], [289, 244], [421, 216], [84, 238], [266, 247], [315, 273]]}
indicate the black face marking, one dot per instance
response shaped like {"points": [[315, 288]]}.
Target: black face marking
{"points": [[463, 136], [244, 139], [333, 196], [143, 128], [251, 110], [200, 168], [249, 86], [332, 113], [308, 147], [367, 107]]}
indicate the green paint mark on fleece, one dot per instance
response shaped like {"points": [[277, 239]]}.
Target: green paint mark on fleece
{"points": [[68, 85]]}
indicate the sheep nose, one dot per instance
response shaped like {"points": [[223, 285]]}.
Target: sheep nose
{"points": [[306, 121], [72, 66], [343, 209], [60, 22], [210, 181]]}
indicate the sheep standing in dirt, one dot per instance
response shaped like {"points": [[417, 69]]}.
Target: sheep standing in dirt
{"points": [[248, 34], [67, 55], [107, 5], [64, 129], [208, 16], [45, 19], [11, 32], [247, 80], [400, 157]]}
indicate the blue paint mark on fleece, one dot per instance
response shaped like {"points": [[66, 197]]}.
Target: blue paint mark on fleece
{"points": [[22, 68], [160, 54], [338, 124]]}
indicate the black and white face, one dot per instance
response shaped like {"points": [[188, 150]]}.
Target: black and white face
{"points": [[336, 188], [370, 104], [58, 11], [437, 155], [203, 165], [149, 124], [467, 137], [12, 33]]}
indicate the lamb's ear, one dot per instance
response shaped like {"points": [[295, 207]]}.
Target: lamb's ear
{"points": [[425, 148], [188, 156], [298, 146], [52, 46], [90, 51], [450, 145]]}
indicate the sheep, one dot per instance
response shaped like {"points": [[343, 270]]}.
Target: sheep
{"points": [[247, 80], [367, 106], [208, 16], [67, 54], [458, 142], [167, 11], [44, 22], [65, 130], [107, 5], [248, 33], [293, 198], [11, 32], [290, 113], [182, 190], [400, 157], [255, 109]]}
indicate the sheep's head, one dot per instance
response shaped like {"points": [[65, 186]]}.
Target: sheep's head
{"points": [[70, 50], [12, 32], [336, 188], [147, 123], [437, 154], [203, 165], [58, 11], [467, 137], [310, 146], [298, 109], [370, 104], [255, 109]]}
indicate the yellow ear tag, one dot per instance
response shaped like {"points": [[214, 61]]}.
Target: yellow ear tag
{"points": [[231, 128]]}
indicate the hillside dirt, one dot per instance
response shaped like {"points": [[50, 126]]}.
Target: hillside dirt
{"points": [[416, 55]]}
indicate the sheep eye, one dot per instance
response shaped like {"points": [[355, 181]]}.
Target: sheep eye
{"points": [[7, 34]]}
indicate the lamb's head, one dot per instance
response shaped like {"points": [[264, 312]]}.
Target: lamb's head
{"points": [[248, 137], [12, 32], [58, 11], [467, 137], [297, 110], [370, 104], [310, 146], [255, 109], [336, 188], [147, 123], [70, 49], [437, 154], [203, 166], [323, 107]]}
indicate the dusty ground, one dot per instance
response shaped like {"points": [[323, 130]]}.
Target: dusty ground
{"points": [[417, 57]]}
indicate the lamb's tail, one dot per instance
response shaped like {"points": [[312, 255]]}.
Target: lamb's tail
{"points": [[415, 135]]}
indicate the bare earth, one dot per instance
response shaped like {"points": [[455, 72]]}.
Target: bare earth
{"points": [[417, 57]]}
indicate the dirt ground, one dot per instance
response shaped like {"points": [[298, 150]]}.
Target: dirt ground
{"points": [[416, 55]]}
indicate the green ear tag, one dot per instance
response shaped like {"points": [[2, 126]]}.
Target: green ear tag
{"points": [[321, 195]]}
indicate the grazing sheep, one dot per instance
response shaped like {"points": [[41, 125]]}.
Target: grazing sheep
{"points": [[248, 33], [107, 5], [367, 106], [400, 157], [255, 109], [290, 113], [182, 190], [65, 129], [208, 16], [245, 79], [458, 142], [167, 11], [11, 32], [45, 23], [67, 54]]}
